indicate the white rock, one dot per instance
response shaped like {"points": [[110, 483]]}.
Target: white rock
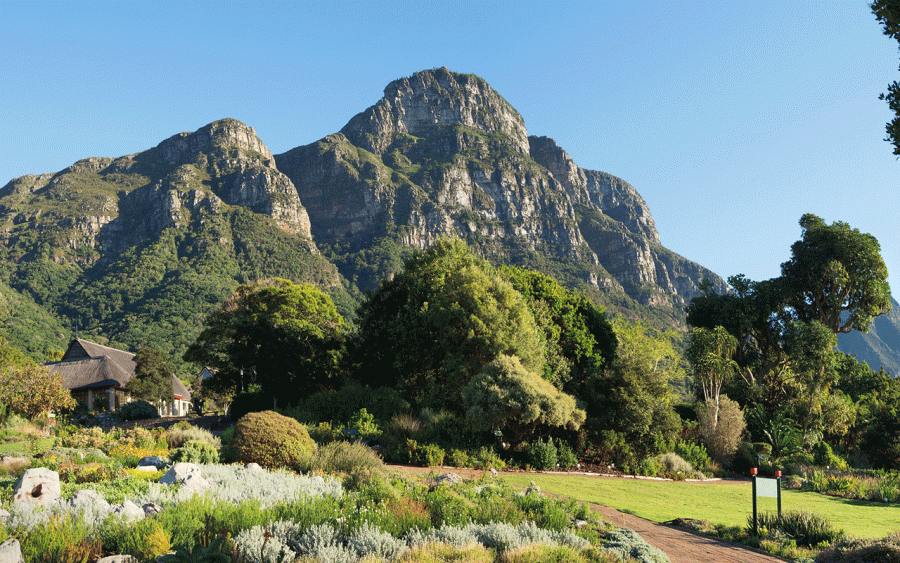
{"points": [[37, 487], [87, 497], [179, 472], [129, 511], [11, 552], [118, 559]]}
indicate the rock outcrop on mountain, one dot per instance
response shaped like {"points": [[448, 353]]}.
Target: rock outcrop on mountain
{"points": [[123, 247], [444, 154]]}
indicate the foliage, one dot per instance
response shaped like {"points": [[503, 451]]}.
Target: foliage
{"points": [[506, 396], [627, 543], [859, 550], [177, 437], [33, 390], [213, 553], [275, 333], [542, 455], [566, 456], [152, 377], [888, 14], [437, 323], [357, 461], [138, 410], [806, 528], [721, 438], [633, 399], [272, 440], [340, 406], [710, 353], [195, 451]]}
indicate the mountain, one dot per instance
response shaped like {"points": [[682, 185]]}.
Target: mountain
{"points": [[136, 250], [880, 347], [444, 154]]}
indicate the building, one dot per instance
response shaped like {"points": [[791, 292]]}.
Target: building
{"points": [[96, 375]]}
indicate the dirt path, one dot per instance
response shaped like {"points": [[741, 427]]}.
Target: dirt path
{"points": [[680, 545]]}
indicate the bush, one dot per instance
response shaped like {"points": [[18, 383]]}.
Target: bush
{"points": [[673, 463], [272, 440], [139, 410], [823, 456], [459, 458], [247, 402], [695, 454], [430, 455], [566, 456], [195, 451], [177, 437], [805, 528], [722, 437], [543, 455], [357, 461], [487, 458], [884, 550]]}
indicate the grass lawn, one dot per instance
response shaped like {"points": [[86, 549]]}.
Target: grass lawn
{"points": [[729, 503], [24, 446]]}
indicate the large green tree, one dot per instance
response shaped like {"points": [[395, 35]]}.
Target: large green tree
{"points": [[152, 379], [285, 337], [710, 353], [836, 276], [433, 326], [888, 14]]}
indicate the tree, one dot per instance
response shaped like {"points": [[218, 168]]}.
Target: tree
{"points": [[836, 276], [888, 14], [506, 396], [710, 353], [33, 390], [580, 338], [721, 426], [152, 379], [632, 398], [285, 337], [436, 324]]}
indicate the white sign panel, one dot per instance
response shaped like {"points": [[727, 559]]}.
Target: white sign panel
{"points": [[766, 487]]}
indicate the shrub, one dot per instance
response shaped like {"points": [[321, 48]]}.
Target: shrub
{"points": [[805, 528], [673, 463], [430, 455], [487, 458], [272, 440], [195, 451], [543, 455], [869, 550], [355, 460], [823, 456], [177, 437], [139, 410], [459, 458], [566, 456], [627, 543], [695, 454], [722, 437]]}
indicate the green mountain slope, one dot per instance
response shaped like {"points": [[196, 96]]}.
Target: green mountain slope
{"points": [[880, 347]]}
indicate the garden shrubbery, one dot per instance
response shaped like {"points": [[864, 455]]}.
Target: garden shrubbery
{"points": [[272, 440], [139, 410]]}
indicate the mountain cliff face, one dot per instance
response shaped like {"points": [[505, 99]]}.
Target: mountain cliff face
{"points": [[880, 347], [139, 248], [444, 154]]}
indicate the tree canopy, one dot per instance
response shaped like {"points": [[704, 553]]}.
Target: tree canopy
{"points": [[152, 379], [888, 14], [437, 323], [836, 276], [277, 334]]}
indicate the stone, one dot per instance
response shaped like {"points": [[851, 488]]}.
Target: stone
{"points": [[4, 515], [253, 467], [449, 479], [152, 509], [11, 552], [147, 468], [37, 487], [129, 511], [88, 498], [118, 559], [152, 460], [179, 472], [194, 483]]}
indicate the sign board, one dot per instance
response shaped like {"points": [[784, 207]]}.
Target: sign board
{"points": [[766, 487]]}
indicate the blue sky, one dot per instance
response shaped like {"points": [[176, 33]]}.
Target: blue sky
{"points": [[732, 119]]}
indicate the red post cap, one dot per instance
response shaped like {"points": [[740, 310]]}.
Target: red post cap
{"points": [[752, 471], [777, 473]]}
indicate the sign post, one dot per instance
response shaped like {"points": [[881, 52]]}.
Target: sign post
{"points": [[762, 487]]}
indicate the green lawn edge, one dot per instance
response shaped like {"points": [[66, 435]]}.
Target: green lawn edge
{"points": [[727, 502]]}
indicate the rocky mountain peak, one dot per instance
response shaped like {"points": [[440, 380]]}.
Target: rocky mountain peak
{"points": [[415, 105], [214, 138]]}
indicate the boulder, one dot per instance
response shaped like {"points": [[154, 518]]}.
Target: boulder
{"points": [[449, 479], [118, 559], [179, 472], [37, 487], [152, 460], [152, 509], [194, 483], [87, 498], [11, 552], [147, 468], [129, 511]]}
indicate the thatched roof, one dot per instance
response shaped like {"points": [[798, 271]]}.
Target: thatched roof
{"points": [[88, 365]]}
